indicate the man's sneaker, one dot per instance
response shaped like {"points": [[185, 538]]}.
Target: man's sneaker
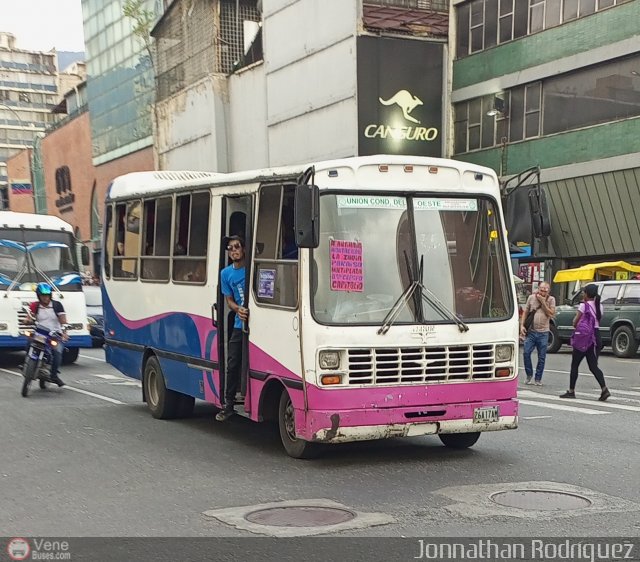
{"points": [[538, 383], [568, 394], [57, 380], [529, 380], [605, 394], [224, 415]]}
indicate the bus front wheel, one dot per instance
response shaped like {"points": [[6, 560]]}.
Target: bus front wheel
{"points": [[70, 355], [459, 440], [163, 403], [296, 448]]}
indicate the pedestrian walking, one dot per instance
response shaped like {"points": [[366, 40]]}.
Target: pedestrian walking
{"points": [[543, 307], [585, 341]]}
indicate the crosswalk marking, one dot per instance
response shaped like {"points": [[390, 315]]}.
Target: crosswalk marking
{"points": [[528, 393], [564, 407], [569, 372]]}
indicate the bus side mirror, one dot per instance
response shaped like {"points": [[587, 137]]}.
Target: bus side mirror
{"points": [[84, 254], [307, 222]]}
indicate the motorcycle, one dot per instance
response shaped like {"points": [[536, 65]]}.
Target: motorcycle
{"points": [[37, 364]]}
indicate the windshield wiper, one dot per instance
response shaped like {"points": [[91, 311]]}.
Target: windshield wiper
{"points": [[427, 296]]}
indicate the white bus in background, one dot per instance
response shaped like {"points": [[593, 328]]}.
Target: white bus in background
{"points": [[380, 294], [40, 248]]}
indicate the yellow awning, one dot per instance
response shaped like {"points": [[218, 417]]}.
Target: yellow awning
{"points": [[588, 272]]}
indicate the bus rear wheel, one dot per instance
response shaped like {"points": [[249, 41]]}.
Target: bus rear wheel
{"points": [[295, 447], [163, 403], [459, 440]]}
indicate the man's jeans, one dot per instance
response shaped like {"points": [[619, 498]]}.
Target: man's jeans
{"points": [[56, 359], [539, 341]]}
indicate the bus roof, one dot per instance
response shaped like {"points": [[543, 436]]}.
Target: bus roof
{"points": [[10, 219], [142, 183]]}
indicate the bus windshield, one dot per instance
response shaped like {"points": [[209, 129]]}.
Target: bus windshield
{"points": [[49, 251], [371, 248]]}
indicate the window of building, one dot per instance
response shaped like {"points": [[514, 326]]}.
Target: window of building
{"points": [[127, 240], [190, 238], [589, 96], [483, 23], [276, 254], [156, 239]]}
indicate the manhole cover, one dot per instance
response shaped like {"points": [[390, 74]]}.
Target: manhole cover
{"points": [[545, 500], [303, 516]]}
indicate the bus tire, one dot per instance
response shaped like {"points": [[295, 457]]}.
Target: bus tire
{"points": [[70, 355], [296, 448], [163, 403], [459, 440]]}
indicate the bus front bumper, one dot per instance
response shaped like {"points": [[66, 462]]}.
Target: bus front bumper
{"points": [[345, 426]]}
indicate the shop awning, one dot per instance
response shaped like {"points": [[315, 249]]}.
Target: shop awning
{"points": [[588, 272]]}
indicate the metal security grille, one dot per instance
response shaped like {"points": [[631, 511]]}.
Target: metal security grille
{"points": [[185, 46], [200, 37], [406, 365], [435, 5], [231, 45]]}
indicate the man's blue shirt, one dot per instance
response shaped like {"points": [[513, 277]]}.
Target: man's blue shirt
{"points": [[232, 280]]}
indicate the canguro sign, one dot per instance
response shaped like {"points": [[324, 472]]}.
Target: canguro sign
{"points": [[399, 97]]}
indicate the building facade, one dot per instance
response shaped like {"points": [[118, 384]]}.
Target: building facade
{"points": [[241, 85], [556, 84], [28, 93]]}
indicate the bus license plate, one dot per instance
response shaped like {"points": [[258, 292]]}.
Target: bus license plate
{"points": [[483, 415]]}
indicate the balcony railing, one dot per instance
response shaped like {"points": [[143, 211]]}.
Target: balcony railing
{"points": [[432, 5]]}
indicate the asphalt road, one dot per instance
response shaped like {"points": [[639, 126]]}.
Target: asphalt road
{"points": [[89, 460]]}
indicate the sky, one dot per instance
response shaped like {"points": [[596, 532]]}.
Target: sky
{"points": [[41, 25]]}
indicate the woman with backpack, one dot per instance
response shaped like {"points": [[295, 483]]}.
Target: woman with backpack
{"points": [[585, 341]]}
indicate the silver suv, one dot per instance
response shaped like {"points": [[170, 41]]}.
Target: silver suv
{"points": [[620, 323]]}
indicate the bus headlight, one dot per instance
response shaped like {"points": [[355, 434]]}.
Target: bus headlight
{"points": [[504, 352], [3, 326], [329, 359]]}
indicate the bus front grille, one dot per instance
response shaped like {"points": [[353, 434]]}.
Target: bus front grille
{"points": [[414, 365], [22, 320]]}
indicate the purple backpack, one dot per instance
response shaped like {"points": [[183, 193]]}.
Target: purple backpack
{"points": [[584, 336]]}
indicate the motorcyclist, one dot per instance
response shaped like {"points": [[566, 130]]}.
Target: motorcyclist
{"points": [[49, 315]]}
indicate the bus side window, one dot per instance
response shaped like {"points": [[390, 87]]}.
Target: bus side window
{"points": [[156, 239], [191, 232], [127, 247], [276, 257], [109, 240]]}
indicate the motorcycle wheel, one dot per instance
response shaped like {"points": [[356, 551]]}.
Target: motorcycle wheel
{"points": [[26, 383]]}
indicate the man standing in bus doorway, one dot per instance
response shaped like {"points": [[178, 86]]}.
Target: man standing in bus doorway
{"points": [[232, 280], [544, 307]]}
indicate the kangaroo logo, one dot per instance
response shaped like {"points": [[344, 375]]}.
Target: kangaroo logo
{"points": [[405, 101]]}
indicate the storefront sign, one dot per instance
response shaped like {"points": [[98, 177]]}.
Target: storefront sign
{"points": [[399, 96]]}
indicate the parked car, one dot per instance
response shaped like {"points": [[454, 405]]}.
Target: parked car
{"points": [[620, 323], [93, 296]]}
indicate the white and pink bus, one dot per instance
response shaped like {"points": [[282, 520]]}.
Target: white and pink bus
{"points": [[380, 294]]}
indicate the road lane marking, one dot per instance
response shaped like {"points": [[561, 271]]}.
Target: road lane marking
{"points": [[569, 372], [108, 377], [92, 358], [536, 417], [528, 393], [566, 408], [79, 390]]}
